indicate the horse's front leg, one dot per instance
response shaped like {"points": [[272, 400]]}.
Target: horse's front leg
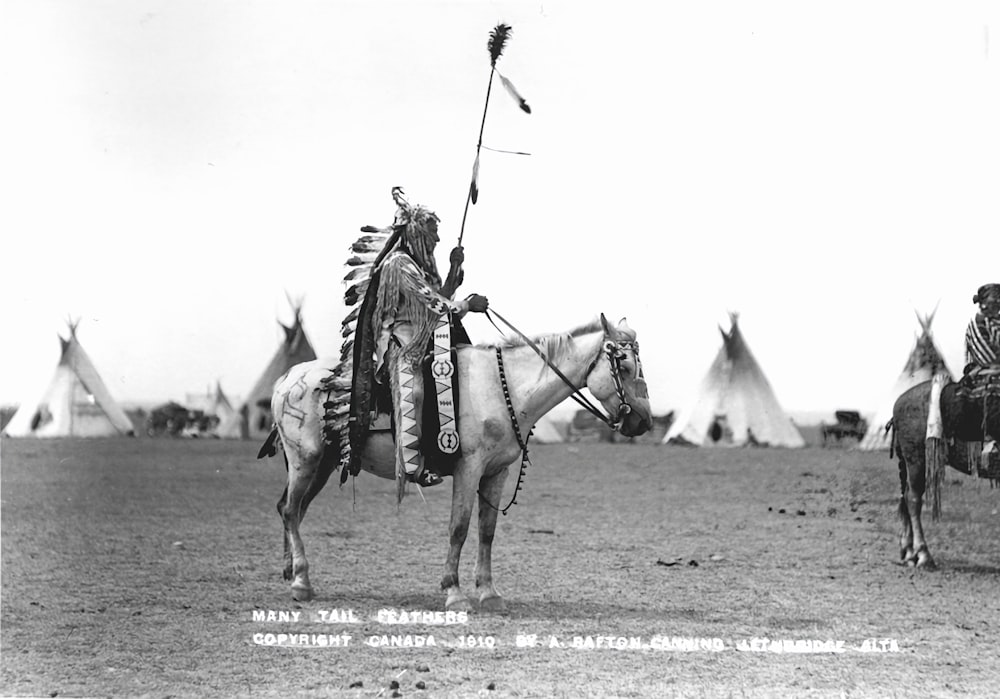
{"points": [[491, 490], [462, 497]]}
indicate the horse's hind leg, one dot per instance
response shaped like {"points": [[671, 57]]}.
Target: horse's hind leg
{"points": [[491, 490], [307, 474], [912, 458], [906, 554], [286, 572], [316, 483]]}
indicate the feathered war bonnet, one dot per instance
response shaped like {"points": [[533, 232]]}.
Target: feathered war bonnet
{"points": [[417, 228], [415, 232]]}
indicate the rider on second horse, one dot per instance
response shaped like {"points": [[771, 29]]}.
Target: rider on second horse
{"points": [[982, 348], [411, 302]]}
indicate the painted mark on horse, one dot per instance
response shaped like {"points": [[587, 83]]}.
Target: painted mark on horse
{"points": [[291, 401]]}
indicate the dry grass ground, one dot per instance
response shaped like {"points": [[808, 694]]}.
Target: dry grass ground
{"points": [[133, 567]]}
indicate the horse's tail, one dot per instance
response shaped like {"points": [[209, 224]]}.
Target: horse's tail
{"points": [[270, 445]]}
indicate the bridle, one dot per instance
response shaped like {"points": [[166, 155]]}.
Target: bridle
{"points": [[615, 351]]}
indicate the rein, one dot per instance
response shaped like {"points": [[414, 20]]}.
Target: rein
{"points": [[611, 350], [614, 352], [523, 443]]}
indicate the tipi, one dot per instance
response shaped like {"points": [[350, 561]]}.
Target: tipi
{"points": [[924, 361], [736, 405], [76, 402], [550, 430], [253, 418], [213, 403]]}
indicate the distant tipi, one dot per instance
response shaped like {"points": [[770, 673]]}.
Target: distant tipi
{"points": [[213, 403], [76, 402], [550, 429], [924, 361], [253, 418], [735, 405]]}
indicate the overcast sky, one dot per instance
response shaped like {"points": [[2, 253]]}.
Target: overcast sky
{"points": [[171, 169]]}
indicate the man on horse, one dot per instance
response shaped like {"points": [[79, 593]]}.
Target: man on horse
{"points": [[982, 350], [411, 303]]}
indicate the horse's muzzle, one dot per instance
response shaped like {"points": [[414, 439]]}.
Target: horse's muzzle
{"points": [[637, 422]]}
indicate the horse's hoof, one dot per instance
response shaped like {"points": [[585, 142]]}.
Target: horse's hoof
{"points": [[925, 561], [460, 604], [301, 593], [494, 604]]}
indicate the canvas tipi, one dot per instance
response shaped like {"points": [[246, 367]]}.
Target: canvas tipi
{"points": [[253, 418], [924, 361], [735, 405], [76, 402], [550, 429], [213, 403]]}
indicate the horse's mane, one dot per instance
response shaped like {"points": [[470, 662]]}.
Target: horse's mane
{"points": [[549, 343]]}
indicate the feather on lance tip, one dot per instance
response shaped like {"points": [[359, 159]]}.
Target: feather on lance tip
{"points": [[474, 189], [498, 38], [512, 91]]}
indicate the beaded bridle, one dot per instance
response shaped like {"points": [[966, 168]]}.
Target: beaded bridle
{"points": [[614, 350]]}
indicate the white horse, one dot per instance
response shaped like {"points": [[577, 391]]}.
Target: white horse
{"points": [[601, 357]]}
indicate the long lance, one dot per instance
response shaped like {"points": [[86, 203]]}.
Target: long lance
{"points": [[498, 38]]}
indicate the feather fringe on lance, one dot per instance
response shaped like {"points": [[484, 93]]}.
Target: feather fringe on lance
{"points": [[474, 187], [512, 91]]}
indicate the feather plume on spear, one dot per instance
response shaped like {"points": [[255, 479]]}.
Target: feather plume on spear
{"points": [[496, 44], [498, 39]]}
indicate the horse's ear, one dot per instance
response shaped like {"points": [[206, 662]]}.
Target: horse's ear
{"points": [[604, 324], [623, 323]]}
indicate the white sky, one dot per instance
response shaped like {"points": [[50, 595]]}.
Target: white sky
{"points": [[170, 169]]}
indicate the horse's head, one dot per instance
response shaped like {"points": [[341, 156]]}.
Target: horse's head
{"points": [[617, 381]]}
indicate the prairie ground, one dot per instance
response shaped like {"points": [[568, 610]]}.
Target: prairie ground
{"points": [[135, 567]]}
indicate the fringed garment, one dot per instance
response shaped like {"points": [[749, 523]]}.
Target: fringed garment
{"points": [[408, 306], [391, 296]]}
